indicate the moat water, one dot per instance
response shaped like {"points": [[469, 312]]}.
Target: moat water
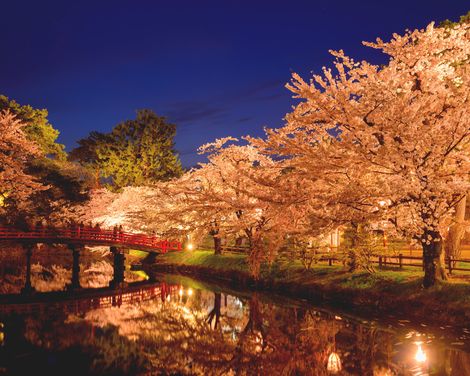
{"points": [[174, 325]]}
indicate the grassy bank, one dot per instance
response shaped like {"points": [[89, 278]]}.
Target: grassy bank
{"points": [[396, 292]]}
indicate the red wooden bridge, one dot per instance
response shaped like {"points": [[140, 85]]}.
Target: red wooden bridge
{"points": [[90, 236], [88, 299]]}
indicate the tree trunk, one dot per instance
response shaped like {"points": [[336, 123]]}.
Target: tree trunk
{"points": [[238, 241], [456, 231], [434, 270], [217, 245], [214, 315], [352, 260]]}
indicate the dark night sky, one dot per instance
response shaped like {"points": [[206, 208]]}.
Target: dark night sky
{"points": [[215, 68]]}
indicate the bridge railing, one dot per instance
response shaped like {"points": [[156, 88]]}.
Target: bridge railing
{"points": [[88, 299], [92, 234]]}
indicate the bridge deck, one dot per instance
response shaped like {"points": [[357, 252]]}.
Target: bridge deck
{"points": [[90, 236]]}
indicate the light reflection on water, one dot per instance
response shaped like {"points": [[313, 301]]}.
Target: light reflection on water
{"points": [[184, 327]]}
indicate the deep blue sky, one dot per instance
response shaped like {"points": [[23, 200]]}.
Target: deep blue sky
{"points": [[215, 68]]}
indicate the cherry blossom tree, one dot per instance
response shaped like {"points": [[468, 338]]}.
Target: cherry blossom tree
{"points": [[236, 193], [111, 209], [456, 230], [390, 141], [16, 184], [179, 208], [246, 188], [210, 199]]}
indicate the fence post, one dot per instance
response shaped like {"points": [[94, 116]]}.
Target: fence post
{"points": [[400, 260], [380, 262], [330, 261], [449, 264]]}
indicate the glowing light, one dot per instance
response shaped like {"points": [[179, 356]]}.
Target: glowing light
{"points": [[190, 291], [180, 293], [190, 246], [420, 356], [334, 363], [168, 298], [141, 274], [239, 303]]}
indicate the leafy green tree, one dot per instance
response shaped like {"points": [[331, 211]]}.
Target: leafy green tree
{"points": [[136, 152], [67, 184], [463, 19], [87, 152], [37, 127]]}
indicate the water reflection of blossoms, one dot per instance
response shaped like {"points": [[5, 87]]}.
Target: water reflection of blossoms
{"points": [[177, 329], [200, 332]]}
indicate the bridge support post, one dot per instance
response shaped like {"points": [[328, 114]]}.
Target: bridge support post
{"points": [[119, 267], [75, 283], [28, 288]]}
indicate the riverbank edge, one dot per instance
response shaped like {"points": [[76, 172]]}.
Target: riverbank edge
{"points": [[421, 307]]}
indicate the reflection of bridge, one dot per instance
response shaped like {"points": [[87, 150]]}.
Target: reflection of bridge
{"points": [[90, 236], [85, 299], [77, 237]]}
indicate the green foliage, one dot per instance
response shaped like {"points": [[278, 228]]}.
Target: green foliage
{"points": [[463, 19], [87, 151], [359, 244], [307, 252], [66, 180], [136, 152], [404, 282], [207, 258], [38, 128]]}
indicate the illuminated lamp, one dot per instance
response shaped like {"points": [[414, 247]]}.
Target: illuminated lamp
{"points": [[334, 363]]}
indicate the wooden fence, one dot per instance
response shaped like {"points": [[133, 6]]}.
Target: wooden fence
{"points": [[391, 260]]}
